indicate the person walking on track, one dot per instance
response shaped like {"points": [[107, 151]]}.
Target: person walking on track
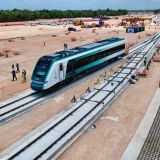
{"points": [[14, 74], [17, 67]]}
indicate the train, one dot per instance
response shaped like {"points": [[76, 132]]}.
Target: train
{"points": [[61, 67]]}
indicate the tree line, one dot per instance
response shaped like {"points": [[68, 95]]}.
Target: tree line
{"points": [[27, 15], [157, 11]]}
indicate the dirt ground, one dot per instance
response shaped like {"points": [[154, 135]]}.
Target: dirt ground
{"points": [[28, 46]]}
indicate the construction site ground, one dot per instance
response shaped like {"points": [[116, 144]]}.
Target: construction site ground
{"points": [[114, 129], [28, 46]]}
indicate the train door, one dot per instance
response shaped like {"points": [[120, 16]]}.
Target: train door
{"points": [[61, 71]]}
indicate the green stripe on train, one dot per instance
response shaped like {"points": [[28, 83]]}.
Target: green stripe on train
{"points": [[84, 68]]}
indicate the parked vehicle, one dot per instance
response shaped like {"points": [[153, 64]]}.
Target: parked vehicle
{"points": [[72, 29]]}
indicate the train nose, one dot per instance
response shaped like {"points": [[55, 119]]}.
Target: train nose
{"points": [[36, 87]]}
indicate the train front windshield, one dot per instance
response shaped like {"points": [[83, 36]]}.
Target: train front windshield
{"points": [[42, 69]]}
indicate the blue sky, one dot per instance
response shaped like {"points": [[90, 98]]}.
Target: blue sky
{"points": [[79, 4]]}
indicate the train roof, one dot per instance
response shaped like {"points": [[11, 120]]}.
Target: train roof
{"points": [[83, 48]]}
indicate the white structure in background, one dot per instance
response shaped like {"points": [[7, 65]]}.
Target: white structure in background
{"points": [[155, 21]]}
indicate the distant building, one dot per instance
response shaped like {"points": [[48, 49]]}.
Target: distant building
{"points": [[155, 21]]}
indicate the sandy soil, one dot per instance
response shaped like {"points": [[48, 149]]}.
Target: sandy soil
{"points": [[28, 47]]}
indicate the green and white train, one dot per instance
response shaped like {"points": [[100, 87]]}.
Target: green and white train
{"points": [[59, 67]]}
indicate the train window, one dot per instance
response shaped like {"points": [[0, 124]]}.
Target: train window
{"points": [[71, 65], [87, 60], [42, 68], [61, 67]]}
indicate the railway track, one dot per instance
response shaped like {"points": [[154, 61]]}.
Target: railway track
{"points": [[10, 102], [18, 106], [139, 46], [55, 137], [12, 109]]}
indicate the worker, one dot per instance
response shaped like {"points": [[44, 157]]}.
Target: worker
{"points": [[12, 66], [13, 74], [145, 61], [65, 46], [44, 43], [24, 76], [127, 51], [17, 66]]}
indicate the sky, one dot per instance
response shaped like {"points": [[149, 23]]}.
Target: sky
{"points": [[79, 4]]}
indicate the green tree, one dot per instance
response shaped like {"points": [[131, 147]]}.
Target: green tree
{"points": [[26, 15]]}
